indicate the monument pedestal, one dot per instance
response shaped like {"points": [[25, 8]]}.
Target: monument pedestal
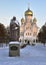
{"points": [[14, 49]]}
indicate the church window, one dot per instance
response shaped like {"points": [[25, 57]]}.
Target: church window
{"points": [[26, 33], [30, 33], [27, 28]]}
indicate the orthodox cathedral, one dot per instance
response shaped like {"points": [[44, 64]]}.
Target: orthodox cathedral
{"points": [[28, 28]]}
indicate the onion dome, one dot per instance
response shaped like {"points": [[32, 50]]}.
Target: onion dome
{"points": [[34, 20], [28, 12], [22, 20]]}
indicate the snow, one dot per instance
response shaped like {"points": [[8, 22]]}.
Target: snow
{"points": [[15, 42], [30, 55]]}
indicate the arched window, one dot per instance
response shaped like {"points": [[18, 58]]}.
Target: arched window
{"points": [[30, 33], [26, 33]]}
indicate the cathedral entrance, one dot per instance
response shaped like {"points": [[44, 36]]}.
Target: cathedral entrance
{"points": [[28, 42]]}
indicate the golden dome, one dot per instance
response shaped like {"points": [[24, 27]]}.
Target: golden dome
{"points": [[28, 12]]}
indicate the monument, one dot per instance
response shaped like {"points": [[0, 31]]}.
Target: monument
{"points": [[14, 45], [14, 29]]}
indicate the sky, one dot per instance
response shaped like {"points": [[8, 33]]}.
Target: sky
{"points": [[10, 8]]}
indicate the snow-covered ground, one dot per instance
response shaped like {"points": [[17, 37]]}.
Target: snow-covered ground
{"points": [[30, 55]]}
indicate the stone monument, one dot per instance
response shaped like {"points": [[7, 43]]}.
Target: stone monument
{"points": [[14, 46]]}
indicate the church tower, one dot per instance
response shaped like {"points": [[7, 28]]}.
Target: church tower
{"points": [[28, 14], [28, 28], [22, 21], [34, 20]]}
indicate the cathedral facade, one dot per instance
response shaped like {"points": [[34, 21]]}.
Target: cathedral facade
{"points": [[28, 28]]}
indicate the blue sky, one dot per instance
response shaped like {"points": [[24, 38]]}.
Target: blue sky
{"points": [[10, 8]]}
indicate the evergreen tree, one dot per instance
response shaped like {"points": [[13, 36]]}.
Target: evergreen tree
{"points": [[42, 34], [3, 33]]}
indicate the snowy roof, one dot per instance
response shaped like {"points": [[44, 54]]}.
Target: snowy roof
{"points": [[14, 42]]}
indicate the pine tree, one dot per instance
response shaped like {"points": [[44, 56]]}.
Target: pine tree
{"points": [[3, 33], [42, 34]]}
